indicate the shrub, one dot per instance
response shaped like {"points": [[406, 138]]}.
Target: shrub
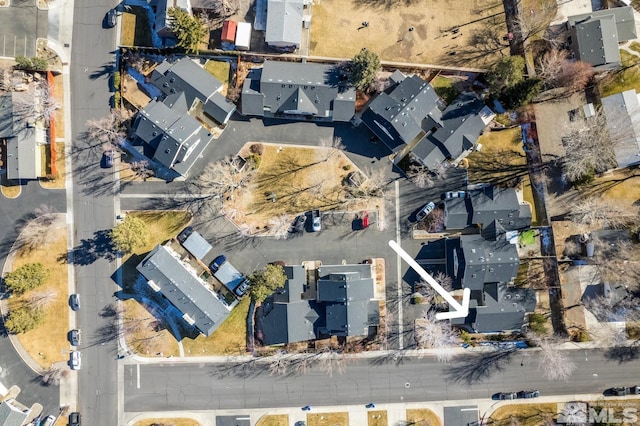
{"points": [[537, 323], [347, 167], [254, 161], [116, 80], [23, 319], [26, 277], [256, 148]]}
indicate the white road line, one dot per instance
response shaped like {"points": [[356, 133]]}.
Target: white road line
{"points": [[138, 376], [175, 196], [398, 267]]}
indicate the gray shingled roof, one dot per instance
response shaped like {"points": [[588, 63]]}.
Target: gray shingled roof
{"points": [[598, 33], [483, 261], [197, 245], [23, 158], [622, 111], [284, 22], [457, 213], [292, 322], [185, 76], [10, 415], [287, 89], [219, 108], [293, 287], [185, 291], [502, 205]]}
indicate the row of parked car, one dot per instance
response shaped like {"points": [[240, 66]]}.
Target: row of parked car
{"points": [[300, 221], [430, 206], [622, 391], [525, 394]]}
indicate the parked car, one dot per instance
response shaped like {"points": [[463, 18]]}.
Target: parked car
{"points": [[182, 236], [370, 405], [619, 391], [76, 360], [316, 221], [306, 408], [49, 421], [74, 302], [425, 210], [534, 393], [75, 337], [242, 288], [217, 263], [453, 194], [298, 223], [111, 18], [75, 419], [107, 158], [504, 395]]}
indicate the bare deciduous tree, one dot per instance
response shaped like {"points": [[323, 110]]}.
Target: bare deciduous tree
{"points": [[142, 169], [39, 104], [41, 299], [52, 375], [279, 226], [437, 335], [38, 231], [221, 8], [332, 148], [553, 362], [532, 22], [598, 212], [111, 129], [420, 176], [223, 178], [279, 365], [558, 71], [331, 361]]}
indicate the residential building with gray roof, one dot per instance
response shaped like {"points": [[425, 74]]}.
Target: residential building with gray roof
{"points": [[178, 283], [339, 304], [298, 91], [284, 23], [594, 36], [622, 112], [410, 118], [11, 414]]}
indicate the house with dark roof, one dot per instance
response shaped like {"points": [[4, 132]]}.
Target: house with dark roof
{"points": [[622, 113], [23, 137], [340, 302], [172, 128], [300, 91], [166, 273], [499, 207], [284, 24], [594, 36], [487, 266], [410, 118]]}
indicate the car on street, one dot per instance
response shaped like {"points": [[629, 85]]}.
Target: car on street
{"points": [[533, 393], [504, 395], [425, 210], [306, 408], [316, 220], [370, 405], [298, 223], [242, 288], [75, 419], [111, 18], [217, 263], [75, 360], [107, 158], [75, 337], [49, 421], [622, 391], [182, 236], [453, 194], [74, 301]]}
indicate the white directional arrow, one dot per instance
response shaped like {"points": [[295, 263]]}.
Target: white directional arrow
{"points": [[458, 310]]}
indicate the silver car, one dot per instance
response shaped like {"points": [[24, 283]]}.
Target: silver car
{"points": [[425, 210]]}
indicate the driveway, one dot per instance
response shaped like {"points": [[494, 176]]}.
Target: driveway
{"points": [[20, 25]]}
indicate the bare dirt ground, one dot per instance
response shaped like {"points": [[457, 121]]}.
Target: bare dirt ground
{"points": [[337, 31]]}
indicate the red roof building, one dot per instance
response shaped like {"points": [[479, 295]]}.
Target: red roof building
{"points": [[229, 31]]}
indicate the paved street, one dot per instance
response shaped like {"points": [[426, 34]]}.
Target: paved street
{"points": [[222, 386], [93, 205], [20, 25]]}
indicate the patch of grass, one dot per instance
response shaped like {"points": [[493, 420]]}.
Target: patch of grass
{"points": [[59, 115], [145, 340], [59, 180], [628, 77], [136, 29], [445, 88], [9, 188], [48, 342], [162, 226], [218, 69], [377, 418], [423, 417], [635, 46], [167, 421], [274, 420], [328, 419], [229, 339], [128, 32], [618, 187], [527, 237], [527, 414], [502, 161]]}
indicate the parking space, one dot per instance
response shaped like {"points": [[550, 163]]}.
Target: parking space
{"points": [[21, 24]]}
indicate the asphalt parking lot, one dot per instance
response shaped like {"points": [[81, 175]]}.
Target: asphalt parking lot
{"points": [[21, 24]]}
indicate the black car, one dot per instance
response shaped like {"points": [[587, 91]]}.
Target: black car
{"points": [[182, 236], [618, 391], [108, 158], [110, 19], [504, 395], [298, 223], [74, 302], [534, 393], [75, 337], [75, 419], [217, 263]]}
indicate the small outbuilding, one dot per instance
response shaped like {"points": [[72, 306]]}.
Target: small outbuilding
{"points": [[229, 31], [243, 36]]}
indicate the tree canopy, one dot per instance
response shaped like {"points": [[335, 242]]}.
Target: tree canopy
{"points": [[265, 281], [363, 68], [189, 30], [129, 234], [506, 72], [23, 319], [26, 277]]}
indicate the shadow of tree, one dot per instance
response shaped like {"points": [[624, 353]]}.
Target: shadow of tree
{"points": [[90, 250], [474, 368], [623, 354]]}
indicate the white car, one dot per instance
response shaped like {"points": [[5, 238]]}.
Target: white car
{"points": [[49, 421], [76, 360], [425, 210]]}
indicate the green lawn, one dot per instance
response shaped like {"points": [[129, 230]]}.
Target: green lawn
{"points": [[628, 77], [527, 237], [136, 29], [445, 88], [219, 69]]}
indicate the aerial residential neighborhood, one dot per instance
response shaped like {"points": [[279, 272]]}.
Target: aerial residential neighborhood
{"points": [[319, 212]]}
